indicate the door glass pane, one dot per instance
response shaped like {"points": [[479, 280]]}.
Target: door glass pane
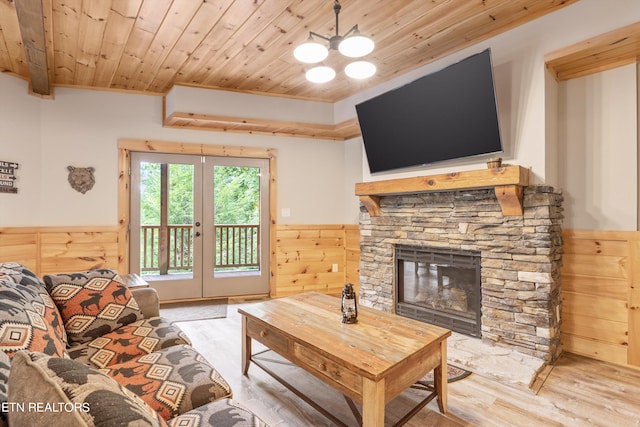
{"points": [[166, 220], [236, 218]]}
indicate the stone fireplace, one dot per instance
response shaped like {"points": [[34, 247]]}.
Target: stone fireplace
{"points": [[519, 255]]}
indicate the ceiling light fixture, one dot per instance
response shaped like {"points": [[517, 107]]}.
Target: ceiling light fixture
{"points": [[320, 74], [352, 45], [360, 70]]}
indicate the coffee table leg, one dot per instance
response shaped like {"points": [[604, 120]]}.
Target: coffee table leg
{"points": [[246, 347], [440, 378], [372, 403]]}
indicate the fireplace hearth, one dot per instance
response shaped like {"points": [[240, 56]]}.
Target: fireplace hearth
{"points": [[437, 286], [519, 261]]}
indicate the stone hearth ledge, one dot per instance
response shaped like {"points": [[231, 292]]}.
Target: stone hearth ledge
{"points": [[502, 364]]}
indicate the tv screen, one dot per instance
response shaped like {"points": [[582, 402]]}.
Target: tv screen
{"points": [[449, 114]]}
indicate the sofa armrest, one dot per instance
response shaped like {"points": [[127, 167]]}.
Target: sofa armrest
{"points": [[148, 301]]}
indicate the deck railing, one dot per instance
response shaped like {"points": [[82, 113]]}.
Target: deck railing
{"points": [[236, 247]]}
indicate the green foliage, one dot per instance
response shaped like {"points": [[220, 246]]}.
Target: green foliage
{"points": [[236, 202], [237, 195], [149, 193], [180, 194]]}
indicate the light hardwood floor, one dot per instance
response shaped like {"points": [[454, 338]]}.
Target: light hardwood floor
{"points": [[577, 391]]}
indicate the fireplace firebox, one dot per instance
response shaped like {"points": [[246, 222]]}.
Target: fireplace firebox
{"points": [[439, 286]]}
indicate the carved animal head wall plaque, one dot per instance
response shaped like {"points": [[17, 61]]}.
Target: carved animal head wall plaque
{"points": [[81, 179]]}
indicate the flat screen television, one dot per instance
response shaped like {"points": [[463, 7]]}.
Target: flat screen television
{"points": [[449, 114]]}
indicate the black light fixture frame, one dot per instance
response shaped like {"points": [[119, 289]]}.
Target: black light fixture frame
{"points": [[334, 41]]}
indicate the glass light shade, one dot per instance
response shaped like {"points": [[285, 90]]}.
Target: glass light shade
{"points": [[356, 46], [360, 70], [311, 52], [320, 74]]}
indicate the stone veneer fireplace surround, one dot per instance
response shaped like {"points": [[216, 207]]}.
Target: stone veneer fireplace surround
{"points": [[521, 257]]}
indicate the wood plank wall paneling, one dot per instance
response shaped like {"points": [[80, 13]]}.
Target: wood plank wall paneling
{"points": [[305, 255], [20, 246], [352, 262], [50, 250], [633, 357], [600, 301], [78, 250]]}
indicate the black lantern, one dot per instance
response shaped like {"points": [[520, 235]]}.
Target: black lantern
{"points": [[349, 307]]}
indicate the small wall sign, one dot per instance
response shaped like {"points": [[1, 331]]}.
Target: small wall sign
{"points": [[8, 177]]}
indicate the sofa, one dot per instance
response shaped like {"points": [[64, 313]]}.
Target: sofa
{"points": [[84, 349]]}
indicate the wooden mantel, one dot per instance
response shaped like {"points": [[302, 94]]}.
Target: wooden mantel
{"points": [[508, 182]]}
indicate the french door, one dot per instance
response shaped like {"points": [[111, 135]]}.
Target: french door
{"points": [[200, 224]]}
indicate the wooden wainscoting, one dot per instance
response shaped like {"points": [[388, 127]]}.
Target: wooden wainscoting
{"points": [[20, 245], [306, 254], [352, 261], [601, 295], [51, 250]]}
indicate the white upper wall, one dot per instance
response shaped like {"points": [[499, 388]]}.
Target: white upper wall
{"points": [[235, 104], [20, 142], [597, 118], [82, 127]]}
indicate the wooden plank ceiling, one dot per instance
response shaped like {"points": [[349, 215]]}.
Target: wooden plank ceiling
{"points": [[148, 46]]}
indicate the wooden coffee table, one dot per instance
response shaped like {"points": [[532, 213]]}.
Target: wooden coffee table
{"points": [[370, 362]]}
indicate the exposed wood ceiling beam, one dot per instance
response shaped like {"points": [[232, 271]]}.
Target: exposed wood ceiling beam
{"points": [[31, 21]]}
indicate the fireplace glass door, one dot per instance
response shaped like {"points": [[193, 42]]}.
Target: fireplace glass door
{"points": [[439, 286]]}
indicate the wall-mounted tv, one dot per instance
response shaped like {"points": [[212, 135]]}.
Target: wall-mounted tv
{"points": [[449, 114]]}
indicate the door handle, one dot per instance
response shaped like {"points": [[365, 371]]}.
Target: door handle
{"points": [[197, 234]]}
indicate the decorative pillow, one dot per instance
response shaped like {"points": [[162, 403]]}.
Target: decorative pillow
{"points": [[29, 320], [172, 381], [50, 391], [128, 342], [5, 366], [92, 303], [224, 412], [19, 273]]}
